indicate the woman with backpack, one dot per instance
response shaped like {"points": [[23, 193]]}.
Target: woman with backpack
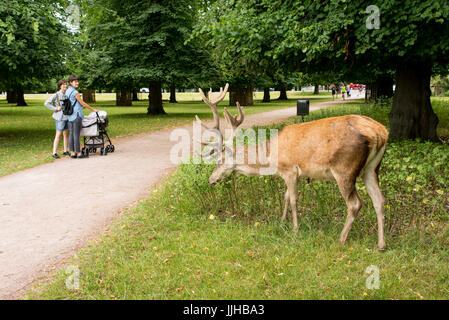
{"points": [[76, 118], [54, 103]]}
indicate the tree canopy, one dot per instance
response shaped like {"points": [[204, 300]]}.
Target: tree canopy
{"points": [[127, 44], [412, 39], [33, 44], [140, 43]]}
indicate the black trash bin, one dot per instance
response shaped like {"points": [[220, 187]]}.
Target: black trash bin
{"points": [[302, 108]]}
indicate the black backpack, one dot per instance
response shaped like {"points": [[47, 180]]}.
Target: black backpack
{"points": [[67, 108]]}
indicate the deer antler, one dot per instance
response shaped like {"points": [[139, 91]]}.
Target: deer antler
{"points": [[234, 121], [213, 105], [216, 126]]}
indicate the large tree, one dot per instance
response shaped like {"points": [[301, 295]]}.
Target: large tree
{"points": [[142, 43], [412, 38], [33, 43], [242, 38]]}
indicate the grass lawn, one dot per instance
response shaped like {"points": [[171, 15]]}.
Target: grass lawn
{"points": [[190, 240], [27, 133]]}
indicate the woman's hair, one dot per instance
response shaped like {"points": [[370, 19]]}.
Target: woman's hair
{"points": [[61, 82], [73, 78]]}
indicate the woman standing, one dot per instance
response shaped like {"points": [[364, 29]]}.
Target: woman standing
{"points": [[76, 118], [54, 103]]}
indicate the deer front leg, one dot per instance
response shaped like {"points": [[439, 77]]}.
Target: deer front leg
{"points": [[292, 190], [286, 203]]}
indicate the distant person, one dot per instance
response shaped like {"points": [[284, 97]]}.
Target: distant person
{"points": [[334, 92], [76, 118], [54, 103], [343, 91]]}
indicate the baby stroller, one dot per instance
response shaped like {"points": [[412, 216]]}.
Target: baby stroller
{"points": [[95, 135]]}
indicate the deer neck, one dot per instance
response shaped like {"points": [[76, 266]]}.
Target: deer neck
{"points": [[256, 160]]}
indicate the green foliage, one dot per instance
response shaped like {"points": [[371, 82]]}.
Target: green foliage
{"points": [[442, 83], [130, 43], [242, 38], [333, 34], [33, 43]]}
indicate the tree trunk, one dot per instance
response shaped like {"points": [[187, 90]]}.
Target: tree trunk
{"points": [[412, 115], [89, 95], [11, 96], [369, 90], [384, 87], [135, 96], [21, 98], [173, 93], [123, 98], [317, 89], [283, 94], [266, 95], [155, 99], [243, 95]]}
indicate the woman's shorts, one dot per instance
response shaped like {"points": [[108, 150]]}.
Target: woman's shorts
{"points": [[62, 125]]}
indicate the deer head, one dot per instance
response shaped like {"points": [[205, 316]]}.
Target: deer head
{"points": [[222, 150]]}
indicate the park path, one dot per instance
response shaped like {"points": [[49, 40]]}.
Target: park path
{"points": [[50, 211]]}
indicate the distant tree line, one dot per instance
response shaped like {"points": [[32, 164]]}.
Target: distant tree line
{"points": [[123, 45]]}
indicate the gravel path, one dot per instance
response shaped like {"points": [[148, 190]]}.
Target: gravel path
{"points": [[50, 211]]}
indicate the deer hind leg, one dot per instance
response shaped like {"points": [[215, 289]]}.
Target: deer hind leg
{"points": [[353, 202], [371, 181]]}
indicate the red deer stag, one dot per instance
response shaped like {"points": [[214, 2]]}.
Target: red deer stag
{"points": [[341, 148]]}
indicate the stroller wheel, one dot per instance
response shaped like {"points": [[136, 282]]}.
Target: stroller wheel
{"points": [[112, 148]]}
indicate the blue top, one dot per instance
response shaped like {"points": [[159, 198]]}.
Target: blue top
{"points": [[71, 93]]}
